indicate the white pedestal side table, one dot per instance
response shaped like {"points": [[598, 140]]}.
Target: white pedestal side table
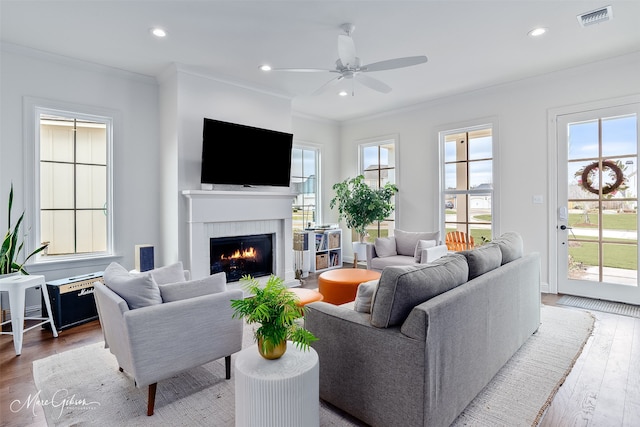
{"points": [[277, 393], [17, 286]]}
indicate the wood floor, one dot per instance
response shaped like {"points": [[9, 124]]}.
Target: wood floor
{"points": [[603, 388]]}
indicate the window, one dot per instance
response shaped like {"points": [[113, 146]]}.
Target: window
{"points": [[467, 189], [304, 179], [73, 192], [378, 165]]}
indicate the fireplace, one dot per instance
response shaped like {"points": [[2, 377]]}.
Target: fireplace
{"points": [[238, 256], [215, 214]]}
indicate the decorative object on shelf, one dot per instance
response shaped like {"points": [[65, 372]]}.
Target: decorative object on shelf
{"points": [[12, 246], [360, 205], [276, 310], [616, 173]]}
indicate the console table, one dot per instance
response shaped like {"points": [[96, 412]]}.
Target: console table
{"points": [[17, 286], [277, 393]]}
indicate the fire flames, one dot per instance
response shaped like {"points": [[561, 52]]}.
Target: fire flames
{"points": [[247, 253]]}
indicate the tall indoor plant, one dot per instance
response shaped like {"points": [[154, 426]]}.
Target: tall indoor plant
{"points": [[360, 205], [12, 245], [276, 310]]}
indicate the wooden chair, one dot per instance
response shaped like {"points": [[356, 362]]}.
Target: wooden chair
{"points": [[459, 241]]}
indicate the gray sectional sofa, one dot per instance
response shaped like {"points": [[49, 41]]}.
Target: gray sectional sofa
{"points": [[434, 336]]}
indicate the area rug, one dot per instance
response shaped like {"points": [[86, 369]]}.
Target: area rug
{"points": [[601, 305], [83, 386]]}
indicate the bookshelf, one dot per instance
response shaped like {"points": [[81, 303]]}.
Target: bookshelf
{"points": [[325, 249]]}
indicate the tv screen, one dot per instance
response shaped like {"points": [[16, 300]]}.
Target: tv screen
{"points": [[236, 154]]}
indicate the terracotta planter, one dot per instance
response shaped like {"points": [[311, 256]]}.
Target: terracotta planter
{"points": [[274, 353]]}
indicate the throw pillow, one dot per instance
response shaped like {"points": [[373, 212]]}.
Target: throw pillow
{"points": [[364, 296], [511, 246], [168, 274], [401, 288], [194, 288], [422, 244], [138, 290], [406, 240], [385, 246], [483, 259]]}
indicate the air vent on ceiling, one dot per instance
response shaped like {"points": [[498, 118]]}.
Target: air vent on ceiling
{"points": [[595, 16]]}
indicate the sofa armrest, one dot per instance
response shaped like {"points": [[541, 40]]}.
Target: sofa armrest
{"points": [[371, 253], [362, 365], [165, 339], [432, 254]]}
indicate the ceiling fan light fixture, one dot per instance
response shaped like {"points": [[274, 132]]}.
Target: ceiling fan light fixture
{"points": [[343, 93], [265, 67]]}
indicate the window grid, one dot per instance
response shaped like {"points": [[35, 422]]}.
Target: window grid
{"points": [[467, 189], [377, 174], [63, 232]]}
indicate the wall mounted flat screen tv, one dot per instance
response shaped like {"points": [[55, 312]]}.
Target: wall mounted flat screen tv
{"points": [[237, 154]]}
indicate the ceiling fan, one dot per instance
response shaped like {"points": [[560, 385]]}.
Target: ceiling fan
{"points": [[349, 66]]}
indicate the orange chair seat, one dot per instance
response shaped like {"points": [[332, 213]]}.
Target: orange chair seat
{"points": [[339, 286], [306, 296]]}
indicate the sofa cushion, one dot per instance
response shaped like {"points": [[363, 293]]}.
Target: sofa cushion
{"points": [[364, 296], [168, 274], [422, 244], [483, 259], [138, 290], [511, 246], [385, 246], [401, 288], [379, 264], [194, 288], [406, 240]]}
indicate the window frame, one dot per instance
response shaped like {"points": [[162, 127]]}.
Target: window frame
{"points": [[443, 132], [308, 146], [33, 108], [377, 142]]}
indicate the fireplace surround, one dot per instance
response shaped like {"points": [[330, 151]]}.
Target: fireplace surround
{"points": [[217, 214]]}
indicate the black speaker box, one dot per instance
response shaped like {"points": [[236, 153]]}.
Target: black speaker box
{"points": [[72, 300]]}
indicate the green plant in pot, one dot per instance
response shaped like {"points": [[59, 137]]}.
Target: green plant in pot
{"points": [[276, 310], [12, 245], [360, 205]]}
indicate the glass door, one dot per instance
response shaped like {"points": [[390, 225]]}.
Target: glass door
{"points": [[598, 203]]}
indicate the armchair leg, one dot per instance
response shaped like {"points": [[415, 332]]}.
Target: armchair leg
{"points": [[227, 365], [152, 398]]}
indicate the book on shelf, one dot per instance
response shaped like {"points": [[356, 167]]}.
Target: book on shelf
{"points": [[321, 242]]}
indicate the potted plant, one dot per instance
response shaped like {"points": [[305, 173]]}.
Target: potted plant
{"points": [[275, 309], [360, 205], [12, 246]]}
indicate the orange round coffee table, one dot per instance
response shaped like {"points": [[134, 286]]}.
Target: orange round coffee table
{"points": [[306, 296], [339, 286]]}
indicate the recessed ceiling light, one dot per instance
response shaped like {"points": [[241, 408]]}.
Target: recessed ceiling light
{"points": [[159, 32], [265, 67], [536, 32], [343, 93]]}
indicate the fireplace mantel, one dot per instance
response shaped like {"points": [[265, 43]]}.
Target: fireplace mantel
{"points": [[223, 213]]}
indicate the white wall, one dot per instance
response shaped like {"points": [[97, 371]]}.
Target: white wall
{"points": [[28, 73], [521, 111], [195, 96]]}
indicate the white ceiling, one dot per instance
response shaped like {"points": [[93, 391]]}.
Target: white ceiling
{"points": [[470, 44]]}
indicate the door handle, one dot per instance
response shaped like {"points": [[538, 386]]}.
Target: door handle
{"points": [[564, 227]]}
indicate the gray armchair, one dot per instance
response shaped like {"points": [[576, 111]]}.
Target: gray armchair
{"points": [[191, 325]]}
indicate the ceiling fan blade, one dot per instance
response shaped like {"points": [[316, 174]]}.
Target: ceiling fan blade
{"points": [[390, 64], [327, 84], [372, 83], [305, 70], [346, 50]]}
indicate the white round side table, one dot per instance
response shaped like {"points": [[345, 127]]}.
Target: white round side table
{"points": [[277, 393]]}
